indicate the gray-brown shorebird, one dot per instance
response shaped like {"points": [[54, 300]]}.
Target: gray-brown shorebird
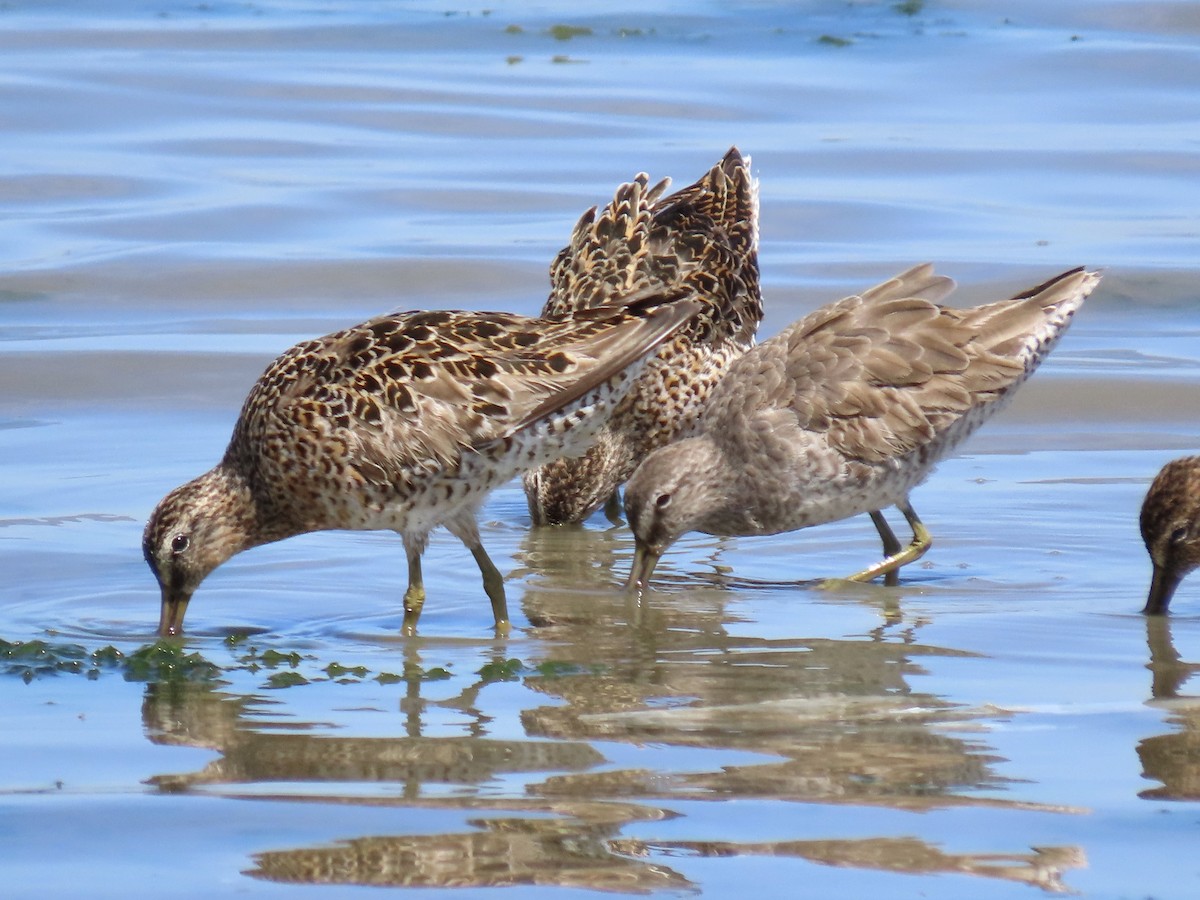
{"points": [[1170, 524], [404, 422], [701, 242], [846, 411]]}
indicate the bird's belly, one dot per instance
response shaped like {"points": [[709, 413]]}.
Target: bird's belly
{"points": [[781, 502]]}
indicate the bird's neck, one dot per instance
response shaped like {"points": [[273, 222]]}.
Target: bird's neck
{"points": [[246, 521], [716, 478]]}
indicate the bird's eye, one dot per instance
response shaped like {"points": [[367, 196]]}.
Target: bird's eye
{"points": [[663, 501], [179, 543]]}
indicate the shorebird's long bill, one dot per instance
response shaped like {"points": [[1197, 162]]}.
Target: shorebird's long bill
{"points": [[1162, 589], [170, 620], [644, 561]]}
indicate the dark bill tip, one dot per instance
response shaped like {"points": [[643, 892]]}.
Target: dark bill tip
{"points": [[1162, 589], [644, 561], [170, 619]]}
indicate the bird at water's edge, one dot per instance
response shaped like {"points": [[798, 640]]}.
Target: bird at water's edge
{"points": [[846, 411], [404, 422], [1170, 524], [701, 241]]}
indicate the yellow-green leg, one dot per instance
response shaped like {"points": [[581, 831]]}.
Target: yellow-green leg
{"points": [[493, 586], [922, 540], [414, 596], [464, 527]]}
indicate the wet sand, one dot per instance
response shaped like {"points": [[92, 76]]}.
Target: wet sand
{"points": [[189, 189]]}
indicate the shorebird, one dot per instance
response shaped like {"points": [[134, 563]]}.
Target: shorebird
{"points": [[701, 242], [404, 422], [846, 411], [1170, 523]]}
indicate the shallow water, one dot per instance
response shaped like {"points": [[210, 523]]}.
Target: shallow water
{"points": [[190, 188]]}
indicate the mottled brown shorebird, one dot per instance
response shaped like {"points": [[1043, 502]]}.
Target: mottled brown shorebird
{"points": [[701, 242], [404, 422], [846, 411], [1170, 523]]}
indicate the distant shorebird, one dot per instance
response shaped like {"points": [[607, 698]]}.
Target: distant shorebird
{"points": [[1170, 524], [846, 411], [700, 241], [404, 422]]}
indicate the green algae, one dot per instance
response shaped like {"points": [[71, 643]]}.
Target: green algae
{"points": [[502, 670], [32, 659], [286, 680], [170, 662], [167, 661], [566, 32]]}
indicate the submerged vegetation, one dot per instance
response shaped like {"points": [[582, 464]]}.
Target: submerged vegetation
{"points": [[872, 15], [566, 32], [32, 659], [167, 661]]}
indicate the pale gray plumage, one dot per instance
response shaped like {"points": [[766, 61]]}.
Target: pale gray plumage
{"points": [[846, 411]]}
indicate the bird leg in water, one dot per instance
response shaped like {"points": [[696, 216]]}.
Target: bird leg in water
{"points": [[891, 545], [466, 529], [414, 596], [888, 567], [493, 586], [612, 508]]}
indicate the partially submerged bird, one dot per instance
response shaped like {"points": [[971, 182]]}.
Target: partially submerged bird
{"points": [[846, 411], [1170, 523], [700, 241], [404, 422]]}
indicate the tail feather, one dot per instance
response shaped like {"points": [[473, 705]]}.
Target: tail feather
{"points": [[1027, 326]]}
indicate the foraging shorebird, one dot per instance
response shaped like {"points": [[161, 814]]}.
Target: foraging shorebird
{"points": [[1170, 523], [846, 411], [700, 241], [404, 422]]}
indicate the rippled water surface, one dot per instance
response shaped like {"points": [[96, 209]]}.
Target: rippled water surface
{"points": [[189, 188]]}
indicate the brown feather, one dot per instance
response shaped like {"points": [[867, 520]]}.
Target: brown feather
{"points": [[700, 242]]}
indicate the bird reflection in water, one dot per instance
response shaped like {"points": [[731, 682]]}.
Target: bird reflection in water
{"points": [[1172, 758], [729, 715]]}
